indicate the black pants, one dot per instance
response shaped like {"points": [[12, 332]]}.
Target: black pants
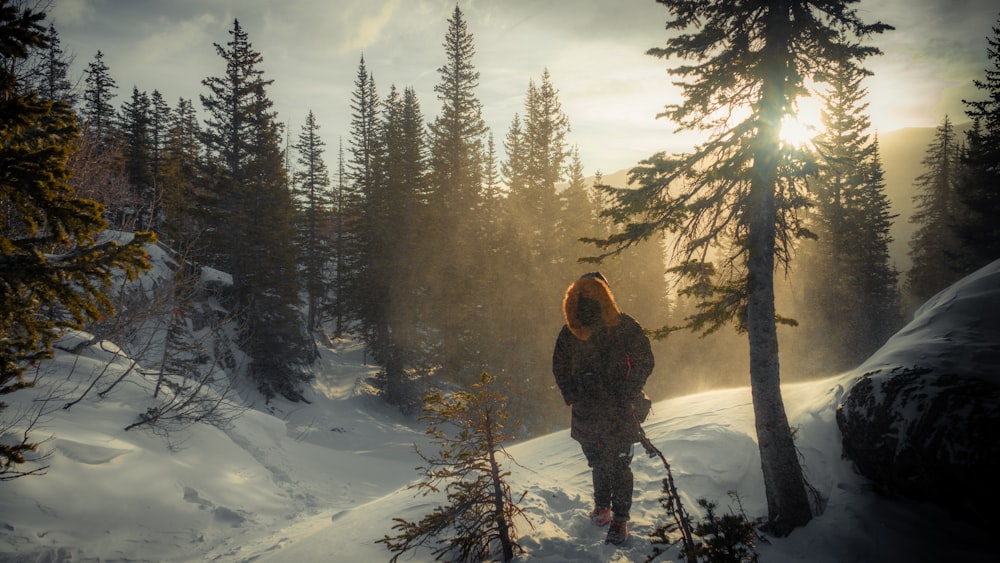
{"points": [[612, 472]]}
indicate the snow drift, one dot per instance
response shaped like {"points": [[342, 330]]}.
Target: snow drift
{"points": [[322, 481]]}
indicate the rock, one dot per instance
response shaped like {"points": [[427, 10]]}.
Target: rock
{"points": [[927, 436]]}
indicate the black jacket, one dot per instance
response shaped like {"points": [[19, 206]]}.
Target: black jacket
{"points": [[601, 368]]}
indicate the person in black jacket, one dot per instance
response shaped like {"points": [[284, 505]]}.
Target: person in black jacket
{"points": [[601, 361]]}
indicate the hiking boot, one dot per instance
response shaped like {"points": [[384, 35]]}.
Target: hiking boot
{"points": [[617, 533], [601, 516]]}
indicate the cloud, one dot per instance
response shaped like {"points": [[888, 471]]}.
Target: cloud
{"points": [[936, 50], [366, 26], [594, 50], [72, 12], [167, 40]]}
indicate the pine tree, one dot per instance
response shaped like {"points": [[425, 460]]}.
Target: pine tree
{"points": [[228, 140], [537, 157], [514, 288], [478, 523], [178, 174], [160, 122], [55, 267], [136, 143], [99, 89], [742, 188], [250, 216], [311, 188], [342, 210], [849, 284], [403, 212], [266, 276], [933, 246], [48, 71], [101, 155], [361, 250], [492, 183], [879, 311], [540, 244], [577, 204], [457, 137], [545, 152], [507, 237], [978, 189], [457, 134], [514, 168], [578, 214], [498, 306]]}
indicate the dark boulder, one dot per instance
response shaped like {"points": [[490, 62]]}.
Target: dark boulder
{"points": [[926, 436], [923, 422]]}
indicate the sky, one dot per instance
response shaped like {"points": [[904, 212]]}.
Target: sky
{"points": [[322, 481], [594, 50]]}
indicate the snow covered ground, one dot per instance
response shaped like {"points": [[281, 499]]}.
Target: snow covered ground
{"points": [[322, 481]]}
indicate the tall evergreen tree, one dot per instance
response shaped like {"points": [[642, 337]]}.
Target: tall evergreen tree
{"points": [[402, 219], [178, 174], [311, 188], [267, 277], [99, 89], [366, 293], [457, 137], [637, 273], [498, 306], [538, 155], [979, 188], [160, 122], [933, 247], [228, 142], [580, 216], [514, 167], [136, 143], [250, 218], [47, 72], [109, 182], [55, 268], [577, 204], [510, 309], [741, 188], [878, 281], [342, 209], [845, 267], [545, 152], [492, 183]]}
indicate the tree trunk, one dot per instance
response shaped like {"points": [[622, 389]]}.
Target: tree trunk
{"points": [[787, 502], [499, 499]]}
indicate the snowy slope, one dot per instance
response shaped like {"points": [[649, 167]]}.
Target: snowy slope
{"points": [[322, 481]]}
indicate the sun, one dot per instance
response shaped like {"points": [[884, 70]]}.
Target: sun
{"points": [[795, 132], [800, 129]]}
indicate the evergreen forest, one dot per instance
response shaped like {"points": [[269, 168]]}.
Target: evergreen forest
{"points": [[444, 246]]}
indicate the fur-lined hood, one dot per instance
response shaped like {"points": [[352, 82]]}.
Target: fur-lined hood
{"points": [[595, 287]]}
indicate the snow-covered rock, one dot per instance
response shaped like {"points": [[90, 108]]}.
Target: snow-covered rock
{"points": [[927, 426]]}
